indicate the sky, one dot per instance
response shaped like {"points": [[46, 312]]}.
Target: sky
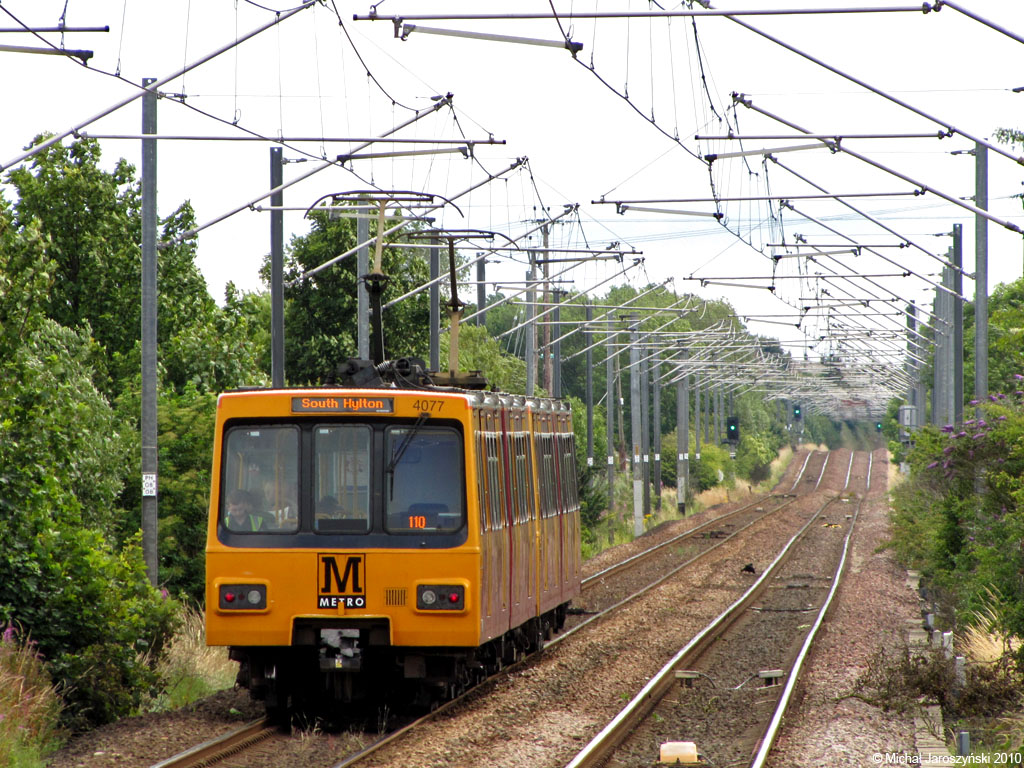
{"points": [[617, 122]]}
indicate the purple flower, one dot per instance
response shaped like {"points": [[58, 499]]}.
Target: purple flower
{"points": [[933, 465], [969, 422], [978, 436], [947, 450], [993, 398], [1018, 377], [960, 434], [982, 423], [948, 428], [164, 594], [973, 402], [9, 634], [1000, 418]]}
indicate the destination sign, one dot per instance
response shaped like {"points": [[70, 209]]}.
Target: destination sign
{"points": [[340, 404]]}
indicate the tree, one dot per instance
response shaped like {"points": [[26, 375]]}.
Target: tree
{"points": [[86, 603], [320, 311]]}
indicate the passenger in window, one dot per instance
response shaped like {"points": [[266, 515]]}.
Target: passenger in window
{"points": [[328, 509], [242, 515], [283, 507]]}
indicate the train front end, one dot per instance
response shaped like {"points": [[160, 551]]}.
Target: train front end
{"points": [[342, 563]]}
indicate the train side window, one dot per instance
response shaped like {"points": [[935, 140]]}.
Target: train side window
{"points": [[481, 479], [423, 491], [341, 478], [493, 488], [260, 480], [531, 502]]}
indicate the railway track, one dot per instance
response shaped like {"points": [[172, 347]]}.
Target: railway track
{"points": [[665, 558], [698, 684]]}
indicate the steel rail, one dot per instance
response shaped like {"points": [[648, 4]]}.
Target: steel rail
{"points": [[801, 472], [849, 469], [767, 741], [827, 457], [222, 746], [598, 749]]}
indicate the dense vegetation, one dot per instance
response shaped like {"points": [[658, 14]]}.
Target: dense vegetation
{"points": [[960, 517]]}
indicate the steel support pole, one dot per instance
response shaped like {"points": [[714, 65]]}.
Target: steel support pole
{"points": [[549, 373], [149, 337], [682, 441], [980, 275], [708, 395], [481, 291], [958, 324], [277, 268], [610, 410], [555, 350], [938, 351], [645, 427], [656, 431], [531, 332], [434, 254], [696, 418], [363, 296], [636, 431], [589, 388]]}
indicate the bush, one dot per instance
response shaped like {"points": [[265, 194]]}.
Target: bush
{"points": [[87, 604], [754, 457]]}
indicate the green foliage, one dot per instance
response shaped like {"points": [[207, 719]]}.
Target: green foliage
{"points": [[88, 606], [960, 519], [593, 489], [754, 456], [68, 263], [478, 351], [320, 311], [713, 468]]}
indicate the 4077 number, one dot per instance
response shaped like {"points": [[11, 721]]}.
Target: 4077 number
{"points": [[430, 406]]}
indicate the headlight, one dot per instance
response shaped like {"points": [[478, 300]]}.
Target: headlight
{"points": [[441, 597], [244, 597]]}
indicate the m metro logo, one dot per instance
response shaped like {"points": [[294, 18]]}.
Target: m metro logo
{"points": [[341, 580]]}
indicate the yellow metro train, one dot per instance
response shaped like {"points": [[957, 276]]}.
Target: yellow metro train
{"points": [[378, 542]]}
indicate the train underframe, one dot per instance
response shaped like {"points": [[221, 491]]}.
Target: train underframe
{"points": [[347, 668]]}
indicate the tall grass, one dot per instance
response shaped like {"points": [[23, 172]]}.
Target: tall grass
{"points": [[29, 704], [189, 669]]}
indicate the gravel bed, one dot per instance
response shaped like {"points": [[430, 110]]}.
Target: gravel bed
{"points": [[873, 608], [148, 739], [726, 709]]}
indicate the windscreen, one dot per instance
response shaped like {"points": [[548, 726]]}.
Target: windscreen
{"points": [[423, 484], [341, 478], [259, 491]]}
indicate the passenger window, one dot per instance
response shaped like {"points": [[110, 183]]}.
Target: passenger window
{"points": [[341, 479], [260, 480]]}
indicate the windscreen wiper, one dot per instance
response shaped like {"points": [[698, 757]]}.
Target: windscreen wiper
{"points": [[397, 457]]}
